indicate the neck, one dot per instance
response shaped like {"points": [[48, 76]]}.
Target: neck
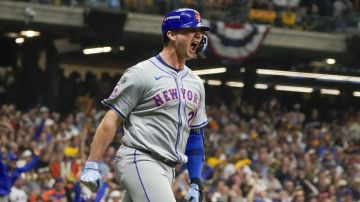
{"points": [[169, 55]]}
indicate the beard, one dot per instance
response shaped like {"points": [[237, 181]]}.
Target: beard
{"points": [[183, 50]]}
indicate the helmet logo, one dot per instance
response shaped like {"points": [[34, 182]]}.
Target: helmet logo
{"points": [[171, 17], [197, 16]]}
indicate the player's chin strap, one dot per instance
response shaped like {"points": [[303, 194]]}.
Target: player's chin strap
{"points": [[200, 51]]}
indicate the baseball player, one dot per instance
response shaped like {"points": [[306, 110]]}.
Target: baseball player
{"points": [[161, 104]]}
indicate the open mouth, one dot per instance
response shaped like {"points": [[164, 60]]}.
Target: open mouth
{"points": [[194, 45]]}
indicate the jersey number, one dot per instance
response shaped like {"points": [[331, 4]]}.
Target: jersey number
{"points": [[191, 116]]}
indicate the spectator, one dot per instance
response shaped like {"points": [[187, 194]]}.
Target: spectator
{"points": [[9, 172], [115, 196], [17, 194], [57, 193], [341, 10]]}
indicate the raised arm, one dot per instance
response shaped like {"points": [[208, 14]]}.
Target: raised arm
{"points": [[32, 163]]}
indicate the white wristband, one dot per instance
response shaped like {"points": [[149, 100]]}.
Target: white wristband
{"points": [[91, 165]]}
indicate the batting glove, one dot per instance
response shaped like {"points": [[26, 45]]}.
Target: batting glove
{"points": [[90, 175], [194, 194]]}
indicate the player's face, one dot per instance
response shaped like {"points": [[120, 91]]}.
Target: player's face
{"points": [[187, 41]]}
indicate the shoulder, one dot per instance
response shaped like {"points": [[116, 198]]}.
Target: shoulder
{"points": [[194, 76], [142, 66], [140, 72], [136, 69]]}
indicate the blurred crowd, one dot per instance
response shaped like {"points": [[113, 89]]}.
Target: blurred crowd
{"points": [[75, 89], [42, 154], [259, 151], [317, 15], [267, 152]]}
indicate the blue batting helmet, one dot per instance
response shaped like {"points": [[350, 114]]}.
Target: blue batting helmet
{"points": [[182, 18]]}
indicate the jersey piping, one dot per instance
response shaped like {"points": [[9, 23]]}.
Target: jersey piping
{"points": [[165, 64], [200, 125], [118, 112], [179, 105], [182, 85]]}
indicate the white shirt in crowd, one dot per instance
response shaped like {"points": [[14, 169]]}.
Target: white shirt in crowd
{"points": [[17, 195]]}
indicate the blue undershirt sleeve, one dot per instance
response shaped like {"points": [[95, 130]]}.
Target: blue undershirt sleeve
{"points": [[101, 192], [77, 190], [195, 153]]}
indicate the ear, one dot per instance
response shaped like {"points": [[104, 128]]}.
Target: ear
{"points": [[171, 35]]}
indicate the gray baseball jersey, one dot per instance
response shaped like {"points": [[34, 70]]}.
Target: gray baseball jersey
{"points": [[159, 106]]}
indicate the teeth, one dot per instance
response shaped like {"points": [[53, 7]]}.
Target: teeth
{"points": [[194, 44]]}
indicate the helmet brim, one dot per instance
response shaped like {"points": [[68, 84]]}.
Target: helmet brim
{"points": [[204, 28]]}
